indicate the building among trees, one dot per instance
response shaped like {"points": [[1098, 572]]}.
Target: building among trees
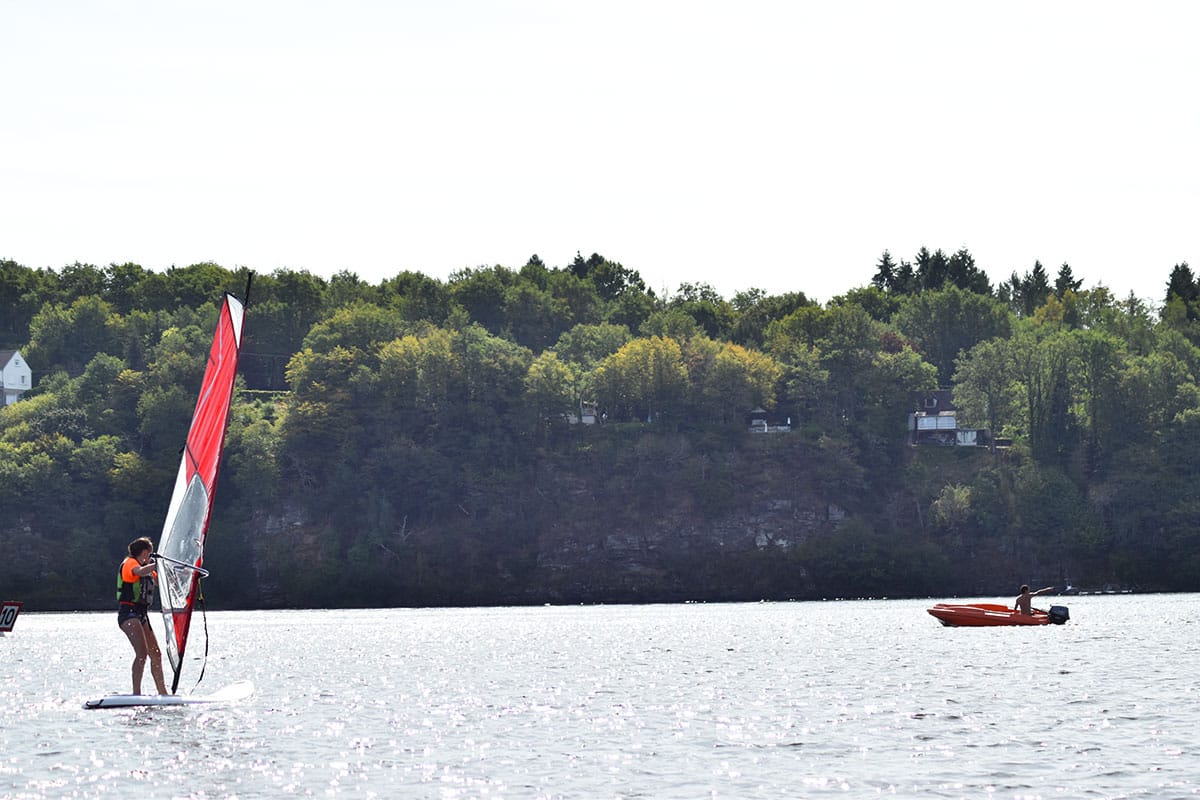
{"points": [[935, 421], [15, 375]]}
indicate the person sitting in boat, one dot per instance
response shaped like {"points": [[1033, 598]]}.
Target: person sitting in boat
{"points": [[135, 590], [1024, 602]]}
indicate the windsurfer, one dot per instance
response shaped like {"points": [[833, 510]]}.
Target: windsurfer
{"points": [[135, 590], [1025, 598]]}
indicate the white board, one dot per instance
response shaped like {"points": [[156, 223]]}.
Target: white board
{"points": [[230, 694]]}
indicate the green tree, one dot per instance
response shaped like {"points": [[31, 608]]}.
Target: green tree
{"points": [[252, 454], [631, 309], [1160, 388], [359, 326], [67, 338], [76, 281], [754, 310], [1182, 307], [945, 322], [961, 271], [93, 394], [201, 284], [20, 290], [674, 323], [417, 297], [1026, 294], [986, 388], [1182, 284], [613, 280], [887, 389], [792, 342], [728, 380], [324, 431], [1043, 364], [885, 272], [645, 379], [582, 301], [1130, 320], [1066, 281], [702, 303], [122, 285], [535, 317], [952, 511], [491, 384], [551, 389], [880, 305], [805, 325], [417, 374], [481, 292], [1099, 361], [346, 288], [932, 268], [588, 345], [847, 347], [285, 306]]}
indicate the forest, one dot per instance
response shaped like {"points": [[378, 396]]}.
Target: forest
{"points": [[418, 441]]}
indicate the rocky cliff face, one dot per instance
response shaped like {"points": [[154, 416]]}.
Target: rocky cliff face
{"points": [[663, 522], [657, 517], [623, 516]]}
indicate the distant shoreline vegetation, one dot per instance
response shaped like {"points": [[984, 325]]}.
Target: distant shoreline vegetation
{"points": [[544, 434]]}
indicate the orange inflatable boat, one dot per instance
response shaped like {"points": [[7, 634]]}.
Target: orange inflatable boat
{"points": [[977, 615]]}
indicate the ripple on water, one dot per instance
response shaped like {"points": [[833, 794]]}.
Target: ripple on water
{"points": [[752, 700]]}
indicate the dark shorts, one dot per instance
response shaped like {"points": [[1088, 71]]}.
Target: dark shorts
{"points": [[125, 612]]}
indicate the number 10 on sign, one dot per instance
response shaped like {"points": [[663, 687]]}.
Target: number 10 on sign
{"points": [[8, 615]]}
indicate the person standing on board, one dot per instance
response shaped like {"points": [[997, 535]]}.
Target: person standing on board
{"points": [[135, 590], [1025, 598]]}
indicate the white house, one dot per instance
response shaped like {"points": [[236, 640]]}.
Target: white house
{"points": [[15, 375], [586, 415], [935, 421]]}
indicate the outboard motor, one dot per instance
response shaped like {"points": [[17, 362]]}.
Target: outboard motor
{"points": [[1059, 615]]}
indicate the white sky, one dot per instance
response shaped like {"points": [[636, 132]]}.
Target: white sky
{"points": [[779, 145]]}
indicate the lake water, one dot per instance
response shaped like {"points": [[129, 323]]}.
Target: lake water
{"points": [[772, 700]]}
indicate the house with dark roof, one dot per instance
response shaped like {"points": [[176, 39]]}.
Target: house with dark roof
{"points": [[934, 420]]}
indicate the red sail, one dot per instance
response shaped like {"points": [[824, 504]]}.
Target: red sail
{"points": [[181, 545]]}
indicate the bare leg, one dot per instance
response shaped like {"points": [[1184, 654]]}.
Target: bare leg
{"points": [[137, 638], [155, 654]]}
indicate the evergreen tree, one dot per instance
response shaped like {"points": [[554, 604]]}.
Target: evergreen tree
{"points": [[932, 268], [1066, 281], [1182, 284], [963, 273], [1027, 294], [1183, 288], [885, 273]]}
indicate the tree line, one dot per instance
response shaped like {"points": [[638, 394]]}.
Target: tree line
{"points": [[420, 430]]}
